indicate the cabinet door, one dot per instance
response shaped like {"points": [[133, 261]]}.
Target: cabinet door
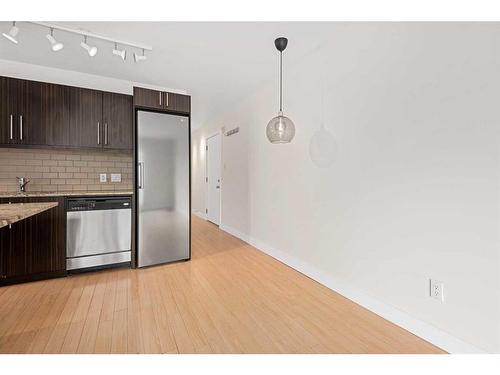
{"points": [[182, 103], [86, 118], [28, 98], [46, 233], [15, 254], [5, 112], [54, 116], [4, 248], [34, 247], [8, 110], [148, 98], [118, 121]]}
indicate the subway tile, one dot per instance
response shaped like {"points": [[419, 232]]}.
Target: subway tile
{"points": [[58, 169], [65, 163], [50, 162], [57, 181], [34, 162]]}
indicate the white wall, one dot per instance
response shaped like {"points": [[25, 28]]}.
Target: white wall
{"points": [[71, 78], [414, 191]]}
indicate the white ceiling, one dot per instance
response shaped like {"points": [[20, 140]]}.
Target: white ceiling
{"points": [[217, 63]]}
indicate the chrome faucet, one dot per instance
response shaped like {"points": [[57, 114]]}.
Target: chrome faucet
{"points": [[23, 181]]}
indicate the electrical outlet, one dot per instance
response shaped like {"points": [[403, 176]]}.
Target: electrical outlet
{"points": [[116, 177], [436, 290], [102, 177]]}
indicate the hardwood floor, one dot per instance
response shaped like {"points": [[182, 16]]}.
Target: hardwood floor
{"points": [[230, 298]]}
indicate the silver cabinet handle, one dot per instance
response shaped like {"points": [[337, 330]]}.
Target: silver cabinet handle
{"points": [[167, 99], [105, 133], [11, 133], [98, 133], [140, 173], [160, 95], [21, 127]]}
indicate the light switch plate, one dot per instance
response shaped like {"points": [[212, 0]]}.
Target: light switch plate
{"points": [[116, 177], [102, 177]]}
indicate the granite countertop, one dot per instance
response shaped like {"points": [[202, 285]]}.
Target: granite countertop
{"points": [[64, 193], [12, 213]]}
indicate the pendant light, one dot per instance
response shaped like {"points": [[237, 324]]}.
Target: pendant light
{"points": [[11, 35], [280, 129]]}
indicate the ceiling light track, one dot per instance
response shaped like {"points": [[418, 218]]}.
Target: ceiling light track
{"points": [[91, 35]]}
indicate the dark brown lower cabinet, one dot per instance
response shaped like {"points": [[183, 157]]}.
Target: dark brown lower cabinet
{"points": [[34, 248]]}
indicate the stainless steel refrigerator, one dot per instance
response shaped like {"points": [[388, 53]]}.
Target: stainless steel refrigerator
{"points": [[163, 188]]}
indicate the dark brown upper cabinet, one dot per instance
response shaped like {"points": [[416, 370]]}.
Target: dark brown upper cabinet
{"points": [[118, 121], [54, 126], [181, 103], [4, 112], [161, 100], [86, 118], [148, 98], [45, 114], [20, 110]]}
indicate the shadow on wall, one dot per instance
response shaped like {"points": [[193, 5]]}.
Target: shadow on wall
{"points": [[323, 148]]}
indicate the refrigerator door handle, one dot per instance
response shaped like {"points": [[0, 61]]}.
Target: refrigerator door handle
{"points": [[141, 175]]}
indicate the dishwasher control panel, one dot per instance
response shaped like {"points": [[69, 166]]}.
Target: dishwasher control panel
{"points": [[91, 204]]}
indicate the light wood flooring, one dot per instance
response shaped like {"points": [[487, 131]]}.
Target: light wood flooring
{"points": [[230, 298]]}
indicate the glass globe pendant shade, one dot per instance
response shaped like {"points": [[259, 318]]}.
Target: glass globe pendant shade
{"points": [[280, 129]]}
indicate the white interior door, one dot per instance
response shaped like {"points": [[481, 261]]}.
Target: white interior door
{"points": [[214, 178]]}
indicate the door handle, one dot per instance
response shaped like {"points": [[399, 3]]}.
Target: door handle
{"points": [[21, 127], [98, 133], [11, 133], [105, 133], [140, 173]]}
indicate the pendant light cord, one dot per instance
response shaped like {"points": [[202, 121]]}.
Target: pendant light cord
{"points": [[281, 81]]}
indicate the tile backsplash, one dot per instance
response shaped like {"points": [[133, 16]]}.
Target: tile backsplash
{"points": [[64, 170]]}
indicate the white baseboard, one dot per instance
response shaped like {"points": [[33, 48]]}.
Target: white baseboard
{"points": [[234, 232], [419, 328], [200, 214]]}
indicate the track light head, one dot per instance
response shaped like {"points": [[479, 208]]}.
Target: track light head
{"points": [[91, 50], [120, 52], [138, 57], [55, 45], [11, 35]]}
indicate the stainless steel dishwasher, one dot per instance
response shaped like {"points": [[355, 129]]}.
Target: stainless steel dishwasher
{"points": [[98, 232]]}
